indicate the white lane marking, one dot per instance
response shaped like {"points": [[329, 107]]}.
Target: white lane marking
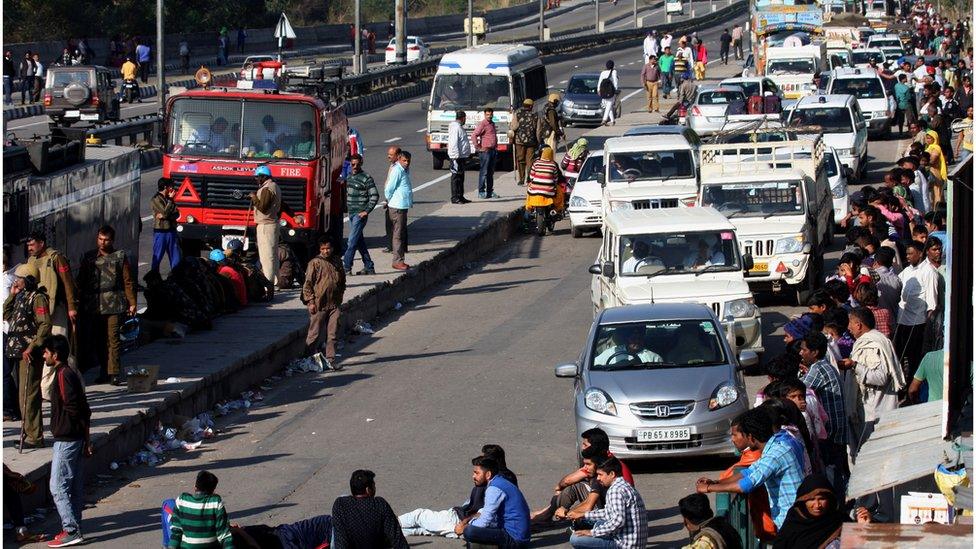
{"points": [[631, 63], [392, 139], [418, 189], [147, 218], [563, 81], [629, 95], [421, 130]]}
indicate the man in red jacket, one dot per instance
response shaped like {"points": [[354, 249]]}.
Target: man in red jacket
{"points": [[70, 424]]}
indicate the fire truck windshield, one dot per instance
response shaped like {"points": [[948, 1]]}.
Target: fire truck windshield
{"points": [[235, 128]]}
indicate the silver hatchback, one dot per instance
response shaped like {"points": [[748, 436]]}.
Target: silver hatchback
{"points": [[660, 380], [709, 112]]}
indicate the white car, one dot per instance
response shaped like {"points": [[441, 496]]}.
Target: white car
{"points": [[872, 97], [708, 112], [247, 69], [585, 202], [837, 177], [417, 49], [843, 126], [862, 56]]}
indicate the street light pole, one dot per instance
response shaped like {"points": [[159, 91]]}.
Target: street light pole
{"points": [[401, 32], [160, 59], [470, 23], [357, 60], [596, 26], [542, 20], [636, 24]]}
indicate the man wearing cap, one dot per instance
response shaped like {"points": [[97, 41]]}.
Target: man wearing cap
{"points": [[107, 292], [28, 315], [267, 209], [458, 151], [56, 279], [165, 214], [550, 125], [525, 137]]}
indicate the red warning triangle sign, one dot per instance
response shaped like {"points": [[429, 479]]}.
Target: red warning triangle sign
{"points": [[187, 192]]}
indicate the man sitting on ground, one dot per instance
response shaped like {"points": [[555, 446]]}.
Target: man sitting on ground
{"points": [[622, 523], [706, 530], [200, 520], [363, 520], [504, 519]]}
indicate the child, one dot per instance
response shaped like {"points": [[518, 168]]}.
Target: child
{"points": [[199, 520]]}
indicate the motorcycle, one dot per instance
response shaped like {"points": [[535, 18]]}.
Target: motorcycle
{"points": [[542, 212], [130, 91]]}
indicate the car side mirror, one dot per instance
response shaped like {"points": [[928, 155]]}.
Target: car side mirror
{"points": [[748, 359], [601, 178], [747, 262], [568, 370], [595, 269], [425, 104]]}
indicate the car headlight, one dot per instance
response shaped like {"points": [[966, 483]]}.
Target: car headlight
{"points": [[616, 205], [839, 190], [741, 308], [598, 401], [578, 202], [724, 395], [568, 104], [789, 245]]}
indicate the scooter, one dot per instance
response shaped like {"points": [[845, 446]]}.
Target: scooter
{"points": [[130, 91]]}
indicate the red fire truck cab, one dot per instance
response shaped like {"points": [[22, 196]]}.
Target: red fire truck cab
{"points": [[217, 137]]}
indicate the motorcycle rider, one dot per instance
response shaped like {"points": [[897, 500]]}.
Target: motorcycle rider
{"points": [[545, 184], [129, 69]]}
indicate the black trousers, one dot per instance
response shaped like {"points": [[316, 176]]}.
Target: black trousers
{"points": [[144, 71], [457, 178], [908, 345]]}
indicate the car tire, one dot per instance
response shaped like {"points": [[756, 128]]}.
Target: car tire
{"points": [[575, 231]]}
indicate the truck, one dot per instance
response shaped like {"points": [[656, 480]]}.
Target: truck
{"points": [[776, 194], [499, 76], [648, 172], [773, 22], [215, 137], [793, 68], [678, 255]]}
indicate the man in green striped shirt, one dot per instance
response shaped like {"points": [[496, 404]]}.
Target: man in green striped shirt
{"points": [[199, 520]]}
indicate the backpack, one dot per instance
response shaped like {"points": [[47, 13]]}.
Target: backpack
{"points": [[607, 90]]}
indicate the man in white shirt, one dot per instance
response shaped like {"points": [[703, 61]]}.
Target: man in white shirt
{"points": [[919, 301], [650, 45], [607, 102], [629, 346], [666, 40], [458, 151]]}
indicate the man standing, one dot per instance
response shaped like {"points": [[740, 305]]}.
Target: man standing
{"points": [[28, 317], [650, 45], [458, 151], [526, 138], [39, 77], [241, 38], [361, 198], [622, 522], [486, 143], [819, 375], [27, 72], [70, 423], [551, 124], [55, 277], [666, 64], [107, 292], [399, 199], [267, 208], [725, 40], [651, 77], [165, 214], [8, 77], [325, 282], [392, 158], [919, 302], [607, 86], [363, 520], [144, 59], [504, 518], [737, 40]]}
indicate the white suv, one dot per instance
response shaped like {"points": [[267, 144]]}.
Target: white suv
{"points": [[866, 86], [840, 121], [585, 202]]}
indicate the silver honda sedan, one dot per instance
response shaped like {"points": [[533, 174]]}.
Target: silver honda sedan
{"points": [[660, 379], [709, 111]]}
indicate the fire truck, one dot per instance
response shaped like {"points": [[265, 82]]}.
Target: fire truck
{"points": [[217, 136]]}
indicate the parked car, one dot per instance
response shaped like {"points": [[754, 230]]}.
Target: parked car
{"points": [[842, 124], [660, 379], [247, 68], [416, 49], [861, 57], [581, 104], [80, 92], [877, 105], [708, 112], [585, 202], [837, 177]]}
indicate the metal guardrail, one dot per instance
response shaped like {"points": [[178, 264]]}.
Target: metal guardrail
{"points": [[133, 130]]}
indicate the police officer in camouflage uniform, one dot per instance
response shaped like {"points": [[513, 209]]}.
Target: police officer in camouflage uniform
{"points": [[55, 277], [108, 294], [28, 314]]}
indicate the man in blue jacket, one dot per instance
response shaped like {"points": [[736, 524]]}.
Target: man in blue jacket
{"points": [[504, 519], [399, 199]]}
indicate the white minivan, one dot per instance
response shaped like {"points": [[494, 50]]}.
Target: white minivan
{"points": [[873, 99], [842, 124]]}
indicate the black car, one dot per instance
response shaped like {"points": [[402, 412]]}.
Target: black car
{"points": [[580, 103]]}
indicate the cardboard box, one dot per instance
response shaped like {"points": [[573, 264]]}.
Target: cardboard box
{"points": [[143, 383], [924, 507]]}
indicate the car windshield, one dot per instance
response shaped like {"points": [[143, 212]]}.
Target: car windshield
{"points": [[861, 88], [212, 127], [60, 79], [831, 164], [643, 166], [829, 119], [657, 344], [591, 168], [863, 57], [755, 199], [582, 85], [886, 42], [723, 97], [660, 254], [471, 92], [748, 88], [790, 66]]}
